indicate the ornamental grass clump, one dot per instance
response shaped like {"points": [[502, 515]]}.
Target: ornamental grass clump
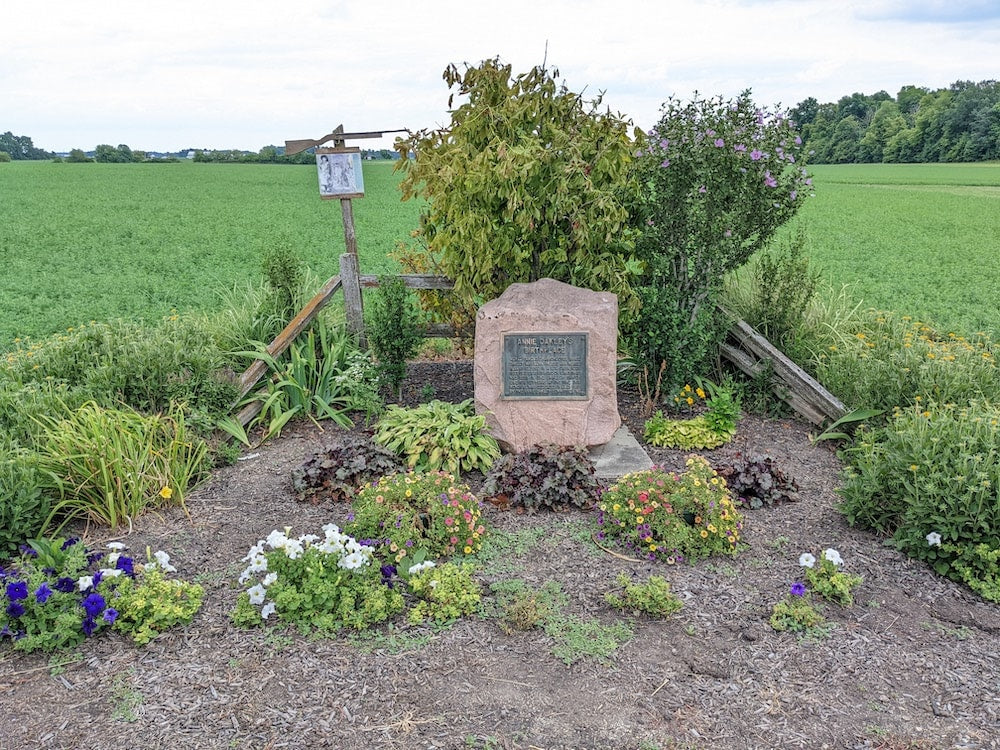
{"points": [[402, 513], [657, 514], [58, 593], [324, 583]]}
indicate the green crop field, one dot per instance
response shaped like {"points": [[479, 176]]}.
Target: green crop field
{"points": [[920, 239], [95, 241]]}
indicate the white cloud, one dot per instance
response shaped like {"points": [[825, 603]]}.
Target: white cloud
{"points": [[227, 74]]}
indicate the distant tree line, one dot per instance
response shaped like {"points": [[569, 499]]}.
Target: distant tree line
{"points": [[21, 147], [958, 123]]}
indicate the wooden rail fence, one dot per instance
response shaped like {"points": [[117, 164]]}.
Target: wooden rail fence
{"points": [[745, 347]]}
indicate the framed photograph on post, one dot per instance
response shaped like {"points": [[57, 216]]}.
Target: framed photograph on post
{"points": [[340, 172]]}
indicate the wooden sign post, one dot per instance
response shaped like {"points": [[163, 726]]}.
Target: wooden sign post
{"points": [[340, 176]]}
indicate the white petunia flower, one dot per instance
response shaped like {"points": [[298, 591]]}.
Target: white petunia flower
{"points": [[420, 567], [163, 560], [934, 539], [267, 610], [353, 561], [308, 538], [330, 529], [110, 572], [269, 579], [255, 551], [113, 557], [276, 539], [258, 564], [293, 549], [833, 556], [116, 546], [807, 560], [85, 582], [257, 594]]}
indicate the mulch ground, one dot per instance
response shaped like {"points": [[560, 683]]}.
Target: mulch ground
{"points": [[914, 664]]}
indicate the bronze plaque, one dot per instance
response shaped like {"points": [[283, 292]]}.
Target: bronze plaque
{"points": [[540, 365]]}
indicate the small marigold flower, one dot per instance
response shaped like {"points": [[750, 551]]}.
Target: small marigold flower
{"points": [[166, 493]]}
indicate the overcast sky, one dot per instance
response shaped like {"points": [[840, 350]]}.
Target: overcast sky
{"points": [[173, 74]]}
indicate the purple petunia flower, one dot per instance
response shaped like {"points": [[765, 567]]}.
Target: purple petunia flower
{"points": [[110, 615], [42, 593], [756, 154], [66, 585], [125, 565], [15, 609], [17, 590], [89, 625], [798, 589], [69, 543], [93, 604]]}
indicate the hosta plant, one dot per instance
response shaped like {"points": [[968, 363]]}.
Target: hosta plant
{"points": [[403, 513], [340, 469], [438, 436], [544, 476], [657, 514]]}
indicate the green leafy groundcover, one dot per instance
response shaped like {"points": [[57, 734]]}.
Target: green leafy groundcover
{"points": [[58, 593]]}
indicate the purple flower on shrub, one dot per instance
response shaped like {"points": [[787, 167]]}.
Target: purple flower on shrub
{"points": [[798, 589], [769, 180], [756, 154], [42, 593], [719, 143], [93, 604], [665, 163], [66, 585], [110, 615], [15, 609], [17, 590], [89, 625], [702, 189], [740, 147]]}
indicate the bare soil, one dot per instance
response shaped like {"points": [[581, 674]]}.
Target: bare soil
{"points": [[914, 664]]}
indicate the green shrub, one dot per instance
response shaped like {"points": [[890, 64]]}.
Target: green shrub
{"points": [[438, 435], [528, 181], [324, 584], [718, 178], [393, 329], [404, 513], [145, 367], [547, 475], [782, 288], [339, 470], [757, 481], [653, 597], [930, 473], [110, 465], [656, 514], [24, 507], [5, 157]]}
